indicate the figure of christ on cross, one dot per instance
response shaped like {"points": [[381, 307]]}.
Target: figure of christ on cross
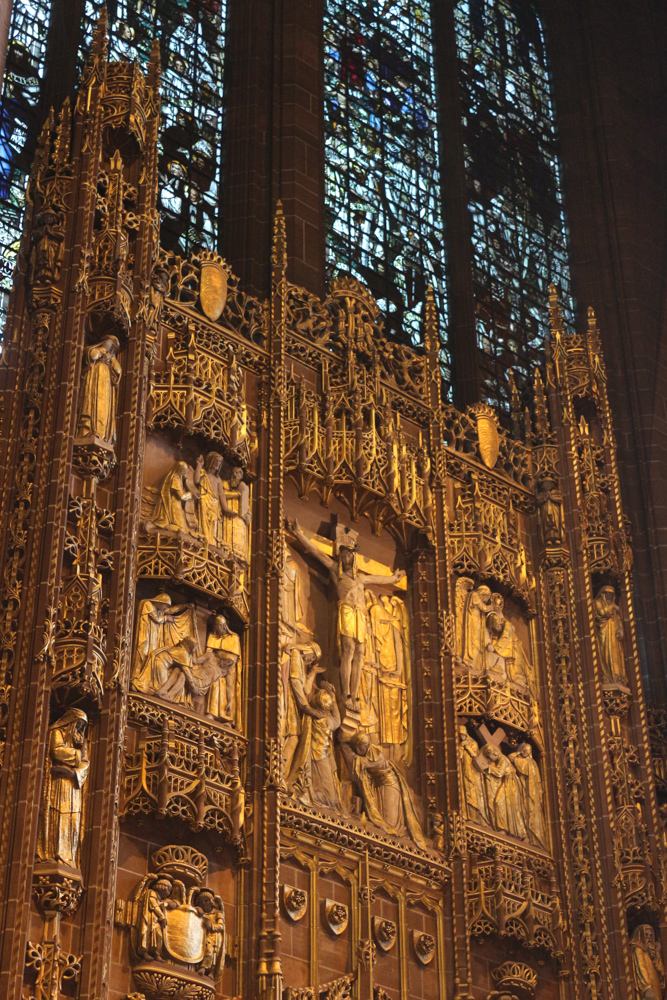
{"points": [[351, 620]]}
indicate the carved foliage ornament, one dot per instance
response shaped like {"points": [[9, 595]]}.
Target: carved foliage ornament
{"points": [[335, 915]]}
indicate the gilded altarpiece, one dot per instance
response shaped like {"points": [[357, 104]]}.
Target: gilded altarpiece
{"points": [[312, 685]]}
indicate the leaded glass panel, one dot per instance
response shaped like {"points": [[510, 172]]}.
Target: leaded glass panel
{"points": [[19, 127], [191, 34], [384, 221], [514, 196]]}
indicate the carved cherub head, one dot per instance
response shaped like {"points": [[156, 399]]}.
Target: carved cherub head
{"points": [[163, 887], [206, 900]]}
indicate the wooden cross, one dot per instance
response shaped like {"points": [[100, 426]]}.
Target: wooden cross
{"points": [[493, 739]]}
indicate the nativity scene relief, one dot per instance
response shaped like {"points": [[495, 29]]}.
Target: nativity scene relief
{"points": [[346, 719]]}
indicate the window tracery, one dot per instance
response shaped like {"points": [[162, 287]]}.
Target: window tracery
{"points": [[514, 189], [382, 177]]}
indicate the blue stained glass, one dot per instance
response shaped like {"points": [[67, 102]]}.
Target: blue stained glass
{"points": [[20, 125], [384, 222], [514, 194], [191, 35]]}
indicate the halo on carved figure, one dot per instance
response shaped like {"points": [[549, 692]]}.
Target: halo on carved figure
{"points": [[295, 902], [424, 946], [385, 933], [335, 915]]}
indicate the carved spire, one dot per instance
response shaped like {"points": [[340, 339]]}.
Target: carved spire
{"points": [[515, 404], [279, 252], [555, 316], [541, 411]]}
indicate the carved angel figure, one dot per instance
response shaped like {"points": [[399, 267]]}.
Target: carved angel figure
{"points": [[647, 964], [609, 633], [61, 818], [151, 899], [213, 919], [101, 375]]}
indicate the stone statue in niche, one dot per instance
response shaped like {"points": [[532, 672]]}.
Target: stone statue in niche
{"points": [[324, 776], [503, 794], [61, 823], [532, 794], [386, 675], [173, 492], [238, 501], [647, 964], [300, 669], [550, 512], [177, 927], [349, 583], [386, 798], [97, 406], [472, 778], [170, 665], [213, 507], [610, 636]]}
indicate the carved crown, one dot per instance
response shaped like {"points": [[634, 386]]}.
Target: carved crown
{"points": [[180, 861], [516, 977]]}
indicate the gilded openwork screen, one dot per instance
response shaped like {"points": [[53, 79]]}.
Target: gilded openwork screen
{"points": [[191, 40], [514, 194], [382, 175]]}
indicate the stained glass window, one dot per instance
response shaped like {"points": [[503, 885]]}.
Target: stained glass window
{"points": [[514, 196], [382, 179], [19, 127], [191, 35]]}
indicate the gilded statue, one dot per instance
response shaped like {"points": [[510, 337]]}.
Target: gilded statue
{"points": [[386, 798], [183, 676], [173, 493], [506, 643], [160, 625], [61, 823], [46, 254], [609, 633], [325, 785], [386, 672], [237, 497], [224, 700], [152, 917], [213, 506], [101, 375], [503, 793], [472, 778], [300, 670], [549, 502], [473, 606], [532, 794], [213, 921], [350, 584], [647, 964], [291, 601]]}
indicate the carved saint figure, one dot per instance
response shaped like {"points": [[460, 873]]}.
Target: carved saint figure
{"points": [[223, 700], [472, 778], [237, 497], [383, 789], [647, 964], [213, 506], [291, 604], [61, 818], [303, 666], [474, 608], [159, 626], [507, 644], [350, 584], [503, 793], [325, 787], [213, 919], [152, 906], [46, 254], [184, 676], [532, 794], [609, 632], [101, 375], [550, 511], [169, 509]]}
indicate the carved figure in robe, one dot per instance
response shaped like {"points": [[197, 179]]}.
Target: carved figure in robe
{"points": [[291, 604], [550, 512], [213, 920], [389, 636], [224, 699], [101, 375], [472, 778], [61, 824], [472, 608], [152, 897], [187, 676], [303, 668], [383, 789], [609, 633], [507, 644], [213, 507], [237, 498], [46, 253], [169, 509], [325, 786], [350, 584], [532, 794], [647, 964], [159, 626], [503, 794]]}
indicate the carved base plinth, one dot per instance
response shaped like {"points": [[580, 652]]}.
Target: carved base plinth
{"points": [[159, 981], [167, 555], [93, 457], [617, 699], [79, 667], [506, 703], [57, 888]]}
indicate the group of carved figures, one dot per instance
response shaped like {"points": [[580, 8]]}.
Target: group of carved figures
{"points": [[201, 504], [374, 677], [169, 664], [503, 792]]}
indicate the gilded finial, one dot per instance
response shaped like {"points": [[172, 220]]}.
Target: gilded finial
{"points": [[279, 255], [541, 412], [555, 317], [430, 320]]}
